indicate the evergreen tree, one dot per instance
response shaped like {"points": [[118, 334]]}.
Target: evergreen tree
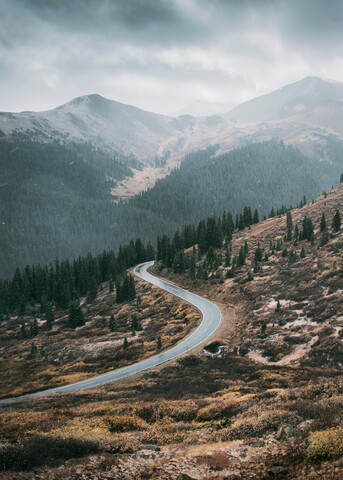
{"points": [[34, 328], [241, 257], [125, 344], [49, 316], [76, 318], [336, 221], [307, 232], [135, 325], [111, 286], [258, 254], [302, 252], [42, 350], [23, 331], [296, 235], [93, 290], [33, 351], [323, 226], [324, 238], [112, 324], [278, 308], [263, 329], [289, 226], [255, 217], [159, 344]]}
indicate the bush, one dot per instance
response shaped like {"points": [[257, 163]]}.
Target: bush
{"points": [[326, 444], [37, 451], [125, 423], [256, 422]]}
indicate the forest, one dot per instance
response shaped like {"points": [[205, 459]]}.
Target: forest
{"points": [[55, 198]]}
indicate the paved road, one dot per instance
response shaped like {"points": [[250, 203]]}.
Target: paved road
{"points": [[211, 320]]}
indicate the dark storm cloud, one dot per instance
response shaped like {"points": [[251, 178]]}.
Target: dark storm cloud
{"points": [[161, 54]]}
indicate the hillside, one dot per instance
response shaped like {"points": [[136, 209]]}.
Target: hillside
{"points": [[57, 200], [290, 298], [259, 174], [261, 401]]}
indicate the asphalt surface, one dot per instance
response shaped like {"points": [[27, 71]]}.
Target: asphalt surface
{"points": [[211, 320]]}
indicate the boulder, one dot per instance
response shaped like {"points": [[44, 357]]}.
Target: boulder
{"points": [[278, 471]]}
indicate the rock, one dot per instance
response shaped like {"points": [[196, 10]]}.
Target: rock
{"points": [[184, 476], [278, 471], [287, 431], [259, 443], [152, 447]]}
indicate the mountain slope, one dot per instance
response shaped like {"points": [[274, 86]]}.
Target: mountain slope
{"points": [[288, 101], [261, 175], [101, 121]]}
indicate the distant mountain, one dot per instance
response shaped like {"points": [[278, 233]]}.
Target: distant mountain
{"points": [[203, 109], [291, 100], [104, 122]]}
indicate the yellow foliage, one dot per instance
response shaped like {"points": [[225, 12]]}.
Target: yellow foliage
{"points": [[326, 444], [125, 423]]}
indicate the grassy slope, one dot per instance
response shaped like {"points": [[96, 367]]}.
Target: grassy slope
{"points": [[215, 415], [72, 355]]}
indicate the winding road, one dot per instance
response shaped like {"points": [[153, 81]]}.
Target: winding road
{"points": [[210, 321]]}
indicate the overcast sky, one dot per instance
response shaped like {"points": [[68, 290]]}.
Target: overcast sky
{"points": [[161, 55]]}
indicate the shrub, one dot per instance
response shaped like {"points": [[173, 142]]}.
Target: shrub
{"points": [[125, 423], [256, 422], [216, 461], [41, 450], [326, 444]]}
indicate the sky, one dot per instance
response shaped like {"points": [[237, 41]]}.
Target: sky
{"points": [[161, 55]]}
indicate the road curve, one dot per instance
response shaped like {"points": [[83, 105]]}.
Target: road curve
{"points": [[210, 321]]}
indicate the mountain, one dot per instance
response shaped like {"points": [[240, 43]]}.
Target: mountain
{"points": [[290, 101], [104, 122]]}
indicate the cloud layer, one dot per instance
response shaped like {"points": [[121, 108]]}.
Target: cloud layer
{"points": [[161, 55]]}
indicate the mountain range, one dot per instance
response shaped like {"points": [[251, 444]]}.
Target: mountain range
{"points": [[67, 173], [299, 113]]}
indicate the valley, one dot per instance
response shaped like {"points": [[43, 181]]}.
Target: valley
{"points": [[238, 208]]}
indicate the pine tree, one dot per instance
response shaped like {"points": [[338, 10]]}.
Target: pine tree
{"points": [[296, 235], [255, 217], [111, 286], [289, 226], [23, 331], [33, 350], [258, 254], [135, 325], [125, 344], [112, 324], [159, 344], [132, 289], [42, 350], [241, 257], [324, 238], [263, 329], [34, 328], [76, 318], [49, 316], [93, 290], [302, 252], [336, 221], [278, 307], [323, 226]]}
